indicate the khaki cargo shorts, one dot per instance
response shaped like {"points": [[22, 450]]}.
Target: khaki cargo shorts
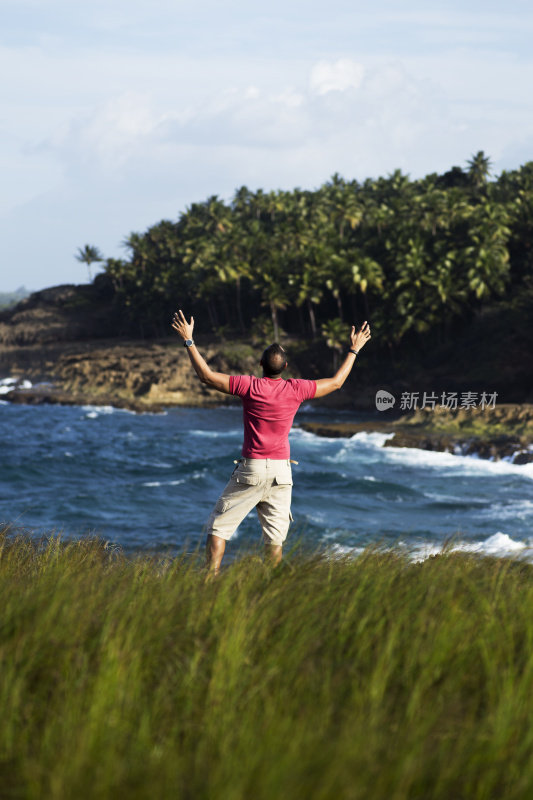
{"points": [[261, 483]]}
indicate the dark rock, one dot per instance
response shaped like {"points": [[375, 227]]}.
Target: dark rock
{"points": [[37, 397], [523, 457]]}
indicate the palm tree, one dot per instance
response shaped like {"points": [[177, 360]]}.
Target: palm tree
{"points": [[479, 170], [488, 256], [335, 333], [89, 255]]}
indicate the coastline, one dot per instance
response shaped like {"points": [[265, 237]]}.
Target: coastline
{"points": [[54, 349], [505, 431]]}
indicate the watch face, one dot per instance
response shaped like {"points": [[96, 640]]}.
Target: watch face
{"points": [[188, 342]]}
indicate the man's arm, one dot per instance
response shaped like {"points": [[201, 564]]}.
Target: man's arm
{"points": [[217, 380], [357, 342]]}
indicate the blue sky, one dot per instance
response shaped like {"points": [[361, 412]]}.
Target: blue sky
{"points": [[115, 115]]}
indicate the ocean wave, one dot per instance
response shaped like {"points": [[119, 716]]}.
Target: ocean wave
{"points": [[310, 438], [164, 483], [371, 438], [458, 464], [216, 434], [341, 550], [95, 411], [499, 544], [418, 457], [196, 475], [515, 508]]}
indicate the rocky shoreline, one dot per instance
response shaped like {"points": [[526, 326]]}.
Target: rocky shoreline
{"points": [[505, 431], [59, 346]]}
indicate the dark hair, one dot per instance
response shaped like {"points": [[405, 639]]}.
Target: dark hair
{"points": [[273, 360]]}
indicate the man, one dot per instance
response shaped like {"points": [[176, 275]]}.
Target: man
{"points": [[262, 478]]}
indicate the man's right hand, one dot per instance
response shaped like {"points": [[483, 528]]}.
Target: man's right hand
{"points": [[359, 339]]}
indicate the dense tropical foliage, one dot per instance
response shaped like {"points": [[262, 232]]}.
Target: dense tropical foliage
{"points": [[410, 255]]}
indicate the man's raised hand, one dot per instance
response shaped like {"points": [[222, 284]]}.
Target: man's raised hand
{"points": [[359, 339], [180, 324]]}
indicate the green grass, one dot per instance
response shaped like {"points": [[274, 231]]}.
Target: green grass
{"points": [[360, 678]]}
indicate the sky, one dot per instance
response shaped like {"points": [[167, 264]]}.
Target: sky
{"points": [[116, 114]]}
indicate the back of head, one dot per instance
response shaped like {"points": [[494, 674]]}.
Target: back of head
{"points": [[273, 360]]}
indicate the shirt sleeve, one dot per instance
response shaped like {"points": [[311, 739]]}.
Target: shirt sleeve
{"points": [[239, 385], [305, 390]]}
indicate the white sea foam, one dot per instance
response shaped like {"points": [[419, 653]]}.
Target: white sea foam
{"points": [[516, 508], [96, 411], [418, 457], [340, 550], [499, 544], [456, 464], [310, 438], [164, 483], [447, 498], [196, 475], [371, 438], [215, 434], [8, 384]]}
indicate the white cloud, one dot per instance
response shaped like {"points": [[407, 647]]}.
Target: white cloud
{"points": [[109, 136], [126, 115], [336, 76]]}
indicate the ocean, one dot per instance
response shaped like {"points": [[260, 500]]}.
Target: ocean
{"points": [[147, 482]]}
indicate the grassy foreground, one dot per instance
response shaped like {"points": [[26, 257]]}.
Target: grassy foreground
{"points": [[356, 678]]}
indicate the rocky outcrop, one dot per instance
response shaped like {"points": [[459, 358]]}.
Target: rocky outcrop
{"points": [[60, 314], [67, 341], [136, 375], [505, 431]]}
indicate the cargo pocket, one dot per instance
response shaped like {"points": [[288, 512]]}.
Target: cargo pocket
{"points": [[222, 505], [283, 480], [250, 480]]}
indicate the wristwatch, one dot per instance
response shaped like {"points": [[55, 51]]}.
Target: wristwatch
{"points": [[188, 343], [355, 352]]}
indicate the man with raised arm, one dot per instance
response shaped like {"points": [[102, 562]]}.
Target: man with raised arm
{"points": [[262, 479]]}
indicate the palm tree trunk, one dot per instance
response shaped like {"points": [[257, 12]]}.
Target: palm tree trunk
{"points": [[301, 320], [339, 305], [238, 300], [355, 310], [212, 315], [312, 318], [274, 312], [367, 310]]}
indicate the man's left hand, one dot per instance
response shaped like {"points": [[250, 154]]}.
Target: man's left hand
{"points": [[180, 324]]}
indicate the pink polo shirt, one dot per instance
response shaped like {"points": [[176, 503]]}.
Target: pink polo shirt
{"points": [[269, 407]]}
